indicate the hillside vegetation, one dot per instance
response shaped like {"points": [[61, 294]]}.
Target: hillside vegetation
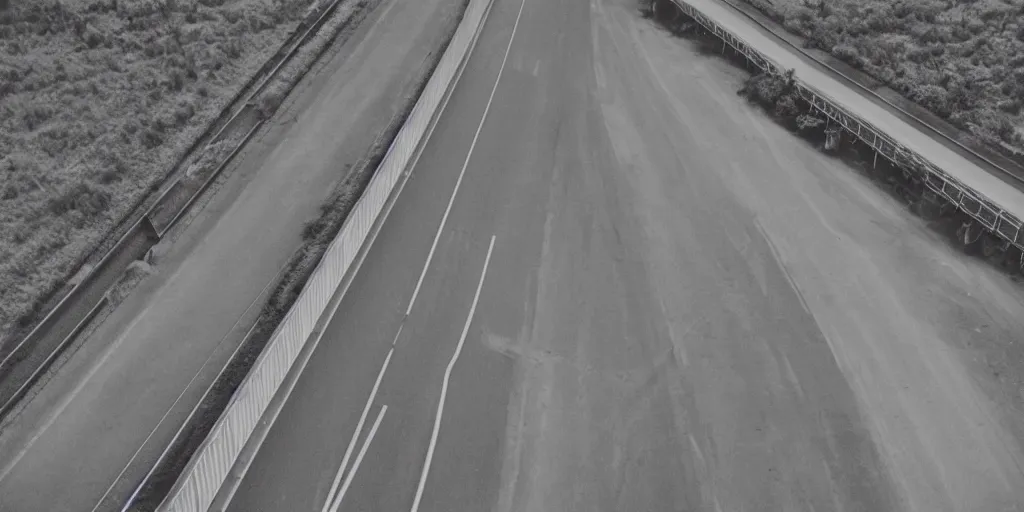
{"points": [[98, 99], [961, 59]]}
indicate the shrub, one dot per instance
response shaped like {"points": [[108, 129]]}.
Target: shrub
{"points": [[957, 59], [9, 192], [806, 122], [36, 114], [767, 89], [1012, 107], [786, 107], [932, 97], [176, 80], [182, 113], [848, 53], [92, 37], [935, 34], [82, 197], [151, 138], [919, 55]]}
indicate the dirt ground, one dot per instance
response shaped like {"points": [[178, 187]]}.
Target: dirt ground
{"points": [[928, 338]]}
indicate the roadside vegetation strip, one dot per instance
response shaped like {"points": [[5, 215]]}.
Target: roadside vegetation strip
{"points": [[22, 363], [964, 61], [976, 224], [97, 97], [319, 236], [1000, 158], [325, 26]]}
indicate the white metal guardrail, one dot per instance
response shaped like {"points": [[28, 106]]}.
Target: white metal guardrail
{"points": [[985, 211], [199, 483], [871, 93]]}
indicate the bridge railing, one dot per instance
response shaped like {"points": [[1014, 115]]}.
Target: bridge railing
{"points": [[986, 212]]}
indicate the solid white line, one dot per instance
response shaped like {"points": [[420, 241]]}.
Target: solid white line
{"points": [[361, 256], [299, 366], [359, 459], [444, 384], [465, 164], [359, 428]]}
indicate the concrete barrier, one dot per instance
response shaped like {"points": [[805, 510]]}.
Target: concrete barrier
{"points": [[199, 483]]}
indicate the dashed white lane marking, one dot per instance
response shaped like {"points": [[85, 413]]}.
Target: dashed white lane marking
{"points": [[465, 164], [359, 426], [359, 459], [329, 504], [444, 384], [332, 502]]}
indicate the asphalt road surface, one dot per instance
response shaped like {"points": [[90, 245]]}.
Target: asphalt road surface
{"points": [[611, 285], [118, 395]]}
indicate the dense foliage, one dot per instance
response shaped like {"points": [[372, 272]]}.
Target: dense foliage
{"points": [[961, 59], [97, 99]]}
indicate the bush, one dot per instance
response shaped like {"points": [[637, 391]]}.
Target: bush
{"points": [[932, 97], [953, 58], [848, 53], [767, 89], [806, 122], [786, 107], [36, 114], [1012, 107], [82, 197], [96, 93]]}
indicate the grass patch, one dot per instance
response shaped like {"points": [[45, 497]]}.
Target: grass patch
{"points": [[960, 59], [98, 98]]}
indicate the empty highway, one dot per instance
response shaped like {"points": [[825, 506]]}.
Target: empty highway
{"points": [[611, 285]]}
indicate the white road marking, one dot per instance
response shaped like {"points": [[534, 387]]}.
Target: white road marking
{"points": [[386, 214], [447, 377], [359, 459], [536, 68], [317, 335], [5, 470], [465, 164], [359, 426]]}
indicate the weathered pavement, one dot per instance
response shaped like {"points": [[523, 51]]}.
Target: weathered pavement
{"points": [[70, 442], [685, 308]]}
